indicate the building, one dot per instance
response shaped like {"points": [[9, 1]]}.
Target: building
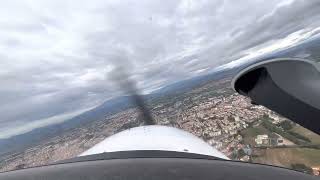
{"points": [[316, 171], [262, 139], [215, 133], [268, 140], [245, 158]]}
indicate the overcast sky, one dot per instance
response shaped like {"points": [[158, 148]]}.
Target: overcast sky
{"points": [[56, 56]]}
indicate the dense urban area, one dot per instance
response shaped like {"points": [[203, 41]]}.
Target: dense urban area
{"points": [[226, 120]]}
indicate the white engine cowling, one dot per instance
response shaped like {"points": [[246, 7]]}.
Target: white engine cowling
{"points": [[154, 137]]}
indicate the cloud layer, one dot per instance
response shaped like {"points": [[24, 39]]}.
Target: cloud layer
{"points": [[57, 57]]}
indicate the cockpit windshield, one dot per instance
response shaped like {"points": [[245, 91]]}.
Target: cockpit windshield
{"points": [[61, 93]]}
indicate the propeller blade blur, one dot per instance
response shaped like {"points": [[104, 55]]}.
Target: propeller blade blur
{"points": [[120, 77]]}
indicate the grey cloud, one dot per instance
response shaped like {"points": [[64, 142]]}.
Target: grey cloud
{"points": [[60, 57], [285, 20]]}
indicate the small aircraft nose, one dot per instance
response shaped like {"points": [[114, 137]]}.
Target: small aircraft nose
{"points": [[155, 137]]}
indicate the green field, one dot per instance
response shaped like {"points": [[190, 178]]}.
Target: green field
{"points": [[297, 134], [286, 156], [315, 139], [250, 134]]}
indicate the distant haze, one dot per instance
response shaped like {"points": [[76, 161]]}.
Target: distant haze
{"points": [[24, 128]]}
